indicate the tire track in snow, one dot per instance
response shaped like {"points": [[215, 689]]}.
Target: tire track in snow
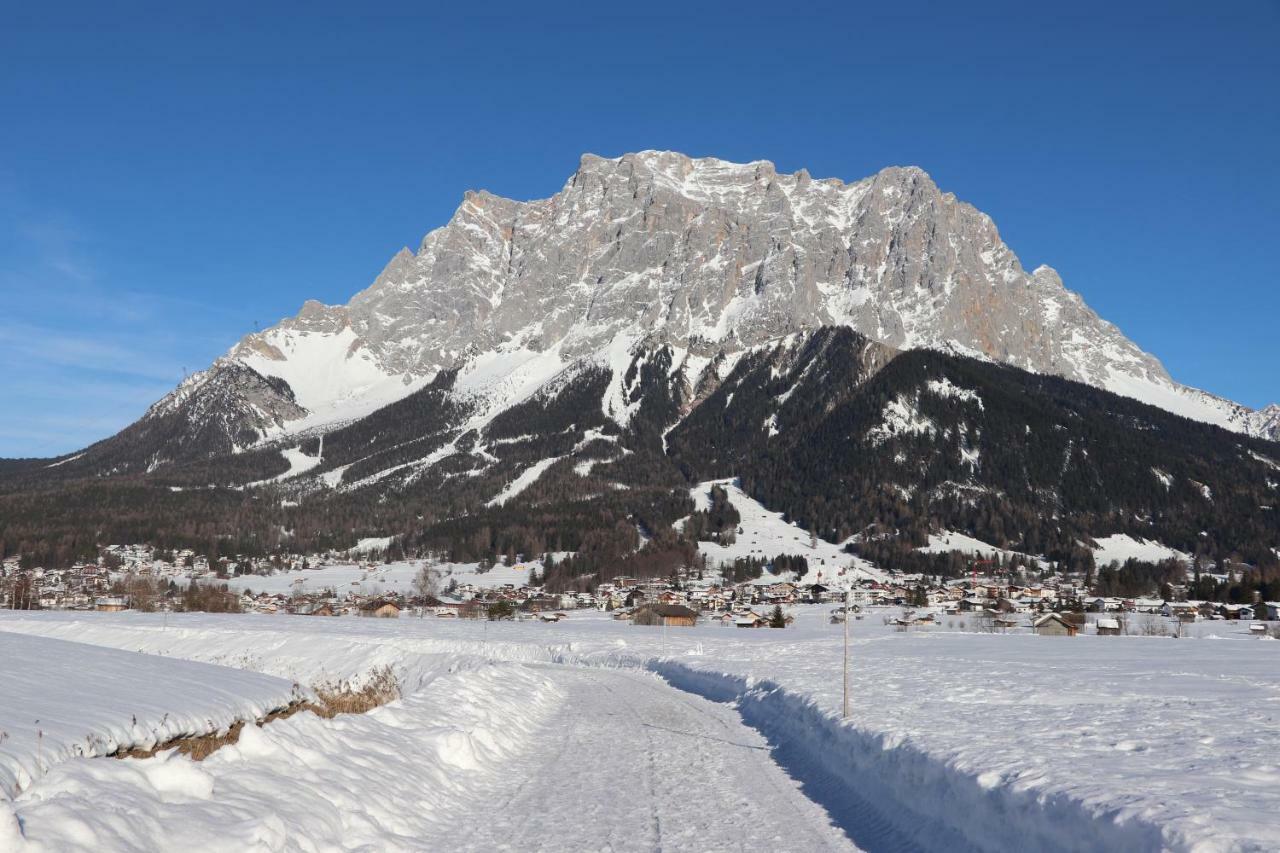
{"points": [[650, 770], [630, 763]]}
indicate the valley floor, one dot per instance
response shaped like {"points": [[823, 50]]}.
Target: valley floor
{"points": [[595, 734]]}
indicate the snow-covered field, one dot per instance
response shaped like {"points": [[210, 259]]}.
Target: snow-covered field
{"points": [[382, 578], [955, 741], [340, 577]]}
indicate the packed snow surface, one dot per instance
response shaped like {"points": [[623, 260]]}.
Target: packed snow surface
{"points": [[724, 770], [957, 740]]}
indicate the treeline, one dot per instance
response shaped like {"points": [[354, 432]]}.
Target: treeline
{"points": [[1135, 578], [603, 561], [746, 569], [717, 524], [147, 595], [1028, 463], [1242, 584], [900, 554]]}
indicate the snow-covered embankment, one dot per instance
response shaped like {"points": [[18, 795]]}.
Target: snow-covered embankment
{"points": [[386, 779], [892, 796], [62, 700]]}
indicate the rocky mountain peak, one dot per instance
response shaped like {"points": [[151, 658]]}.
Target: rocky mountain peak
{"points": [[713, 256]]}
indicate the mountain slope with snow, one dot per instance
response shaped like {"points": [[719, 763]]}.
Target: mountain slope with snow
{"points": [[713, 257]]}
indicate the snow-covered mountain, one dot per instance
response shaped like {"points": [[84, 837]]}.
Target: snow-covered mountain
{"points": [[868, 360], [714, 258]]}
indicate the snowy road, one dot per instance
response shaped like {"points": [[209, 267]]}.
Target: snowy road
{"points": [[630, 763], [486, 756]]}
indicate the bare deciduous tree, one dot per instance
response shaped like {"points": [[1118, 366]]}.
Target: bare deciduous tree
{"points": [[425, 582]]}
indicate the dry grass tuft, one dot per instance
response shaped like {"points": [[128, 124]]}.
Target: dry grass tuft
{"points": [[332, 699], [381, 687]]}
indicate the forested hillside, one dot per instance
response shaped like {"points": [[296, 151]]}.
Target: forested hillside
{"points": [[852, 440]]}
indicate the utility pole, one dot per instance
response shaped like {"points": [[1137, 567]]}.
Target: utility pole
{"points": [[846, 653]]}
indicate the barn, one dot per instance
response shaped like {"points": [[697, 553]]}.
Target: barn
{"points": [[381, 610], [1053, 625], [673, 615]]}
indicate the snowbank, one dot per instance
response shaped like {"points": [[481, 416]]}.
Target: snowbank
{"points": [[890, 795], [387, 780], [62, 700]]}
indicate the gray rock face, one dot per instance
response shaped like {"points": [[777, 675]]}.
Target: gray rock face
{"points": [[215, 413], [242, 404], [721, 255], [716, 257], [1266, 422]]}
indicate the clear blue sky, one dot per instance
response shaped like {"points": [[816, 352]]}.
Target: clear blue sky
{"points": [[168, 179]]}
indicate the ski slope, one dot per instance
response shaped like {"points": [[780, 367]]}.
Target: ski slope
{"points": [[766, 534], [1119, 548]]}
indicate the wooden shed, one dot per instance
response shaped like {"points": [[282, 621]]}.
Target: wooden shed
{"points": [[673, 615], [1054, 625], [381, 610]]}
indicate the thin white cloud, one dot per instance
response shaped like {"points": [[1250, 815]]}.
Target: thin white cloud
{"points": [[80, 355], [92, 350], [59, 423]]}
